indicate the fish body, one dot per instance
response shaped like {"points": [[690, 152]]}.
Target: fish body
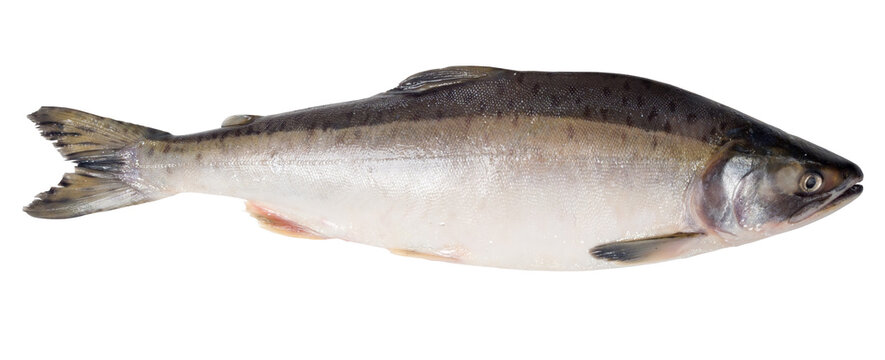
{"points": [[484, 166]]}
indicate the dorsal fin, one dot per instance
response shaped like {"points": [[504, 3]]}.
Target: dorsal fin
{"points": [[237, 120], [433, 79]]}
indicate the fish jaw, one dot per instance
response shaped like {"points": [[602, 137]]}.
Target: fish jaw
{"points": [[816, 211]]}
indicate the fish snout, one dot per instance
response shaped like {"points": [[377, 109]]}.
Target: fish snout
{"points": [[852, 173]]}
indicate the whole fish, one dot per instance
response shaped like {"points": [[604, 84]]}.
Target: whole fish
{"points": [[478, 165]]}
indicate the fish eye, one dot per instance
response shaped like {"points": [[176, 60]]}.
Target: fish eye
{"points": [[810, 182]]}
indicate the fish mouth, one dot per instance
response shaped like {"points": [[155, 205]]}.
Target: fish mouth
{"points": [[813, 212], [848, 195]]}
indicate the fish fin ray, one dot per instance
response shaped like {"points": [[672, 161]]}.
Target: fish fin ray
{"points": [[437, 78], [98, 146], [275, 222], [646, 250]]}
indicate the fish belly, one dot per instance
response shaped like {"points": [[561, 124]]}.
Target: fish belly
{"points": [[524, 192]]}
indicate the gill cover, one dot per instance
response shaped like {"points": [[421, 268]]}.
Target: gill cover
{"points": [[718, 194]]}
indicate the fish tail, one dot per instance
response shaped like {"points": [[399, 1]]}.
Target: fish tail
{"points": [[103, 150]]}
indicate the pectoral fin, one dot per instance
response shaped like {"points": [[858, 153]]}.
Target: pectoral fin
{"points": [[652, 249]]}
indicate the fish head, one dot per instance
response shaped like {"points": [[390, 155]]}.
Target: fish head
{"points": [[764, 182]]}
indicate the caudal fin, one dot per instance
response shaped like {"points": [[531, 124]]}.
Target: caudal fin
{"points": [[102, 149]]}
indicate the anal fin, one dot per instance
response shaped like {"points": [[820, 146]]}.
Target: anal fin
{"points": [[273, 221], [646, 250]]}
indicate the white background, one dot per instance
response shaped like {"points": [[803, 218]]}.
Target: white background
{"points": [[193, 276]]}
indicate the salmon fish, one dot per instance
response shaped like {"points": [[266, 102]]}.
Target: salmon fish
{"points": [[478, 165]]}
